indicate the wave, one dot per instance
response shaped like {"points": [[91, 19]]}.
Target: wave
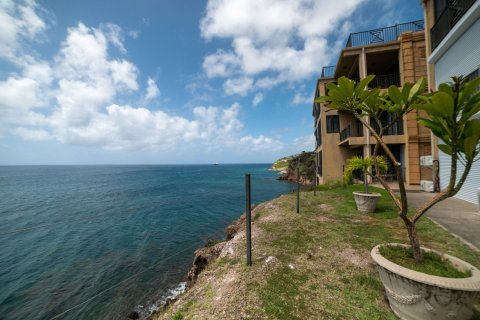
{"points": [[144, 312]]}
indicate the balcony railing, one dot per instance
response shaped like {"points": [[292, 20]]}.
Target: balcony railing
{"points": [[395, 129], [386, 34], [385, 81], [351, 131], [328, 72], [447, 20]]}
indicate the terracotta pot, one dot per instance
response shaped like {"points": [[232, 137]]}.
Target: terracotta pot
{"points": [[415, 295], [366, 202]]}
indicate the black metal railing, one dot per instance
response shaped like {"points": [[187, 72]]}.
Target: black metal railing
{"points": [[328, 72], [385, 81], [345, 133], [351, 130], [386, 34], [395, 129], [447, 19]]}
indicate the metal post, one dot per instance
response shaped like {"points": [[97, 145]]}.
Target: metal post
{"points": [[298, 190], [248, 219]]}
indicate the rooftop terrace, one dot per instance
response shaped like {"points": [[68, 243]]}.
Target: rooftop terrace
{"points": [[375, 36]]}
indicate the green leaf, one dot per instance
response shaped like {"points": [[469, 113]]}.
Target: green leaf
{"points": [[470, 144], [346, 86], [431, 109], [395, 94], [445, 149], [406, 91], [444, 87], [443, 103], [468, 90], [436, 127], [417, 89], [362, 84]]}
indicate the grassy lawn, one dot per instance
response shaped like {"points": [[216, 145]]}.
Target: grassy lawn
{"points": [[312, 265]]}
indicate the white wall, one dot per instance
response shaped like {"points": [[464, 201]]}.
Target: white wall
{"points": [[461, 58]]}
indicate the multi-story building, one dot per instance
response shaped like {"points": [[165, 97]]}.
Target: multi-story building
{"points": [[453, 48], [396, 55]]}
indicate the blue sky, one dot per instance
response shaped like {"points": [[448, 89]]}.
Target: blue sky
{"points": [[158, 82]]}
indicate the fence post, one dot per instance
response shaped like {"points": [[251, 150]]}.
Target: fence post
{"points": [[298, 190], [248, 215]]}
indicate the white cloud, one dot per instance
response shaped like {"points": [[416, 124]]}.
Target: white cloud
{"points": [[19, 21], [261, 143], [74, 98], [298, 98], [257, 99], [32, 134], [305, 143], [240, 86], [272, 41], [152, 91]]}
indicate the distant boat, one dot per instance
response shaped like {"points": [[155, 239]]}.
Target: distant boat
{"points": [[215, 164]]}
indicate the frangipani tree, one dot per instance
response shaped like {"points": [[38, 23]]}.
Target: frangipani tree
{"points": [[451, 112]]}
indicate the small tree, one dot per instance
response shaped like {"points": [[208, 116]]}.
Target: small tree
{"points": [[364, 164], [450, 112]]}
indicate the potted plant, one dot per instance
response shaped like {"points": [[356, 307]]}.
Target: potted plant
{"points": [[366, 201], [451, 110]]}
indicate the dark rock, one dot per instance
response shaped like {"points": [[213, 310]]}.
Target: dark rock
{"points": [[203, 256], [133, 315], [233, 228]]}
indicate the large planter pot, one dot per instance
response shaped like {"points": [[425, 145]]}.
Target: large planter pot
{"points": [[366, 202], [415, 295]]}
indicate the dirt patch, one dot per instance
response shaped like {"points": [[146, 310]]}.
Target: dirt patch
{"points": [[356, 258], [322, 218], [325, 207]]}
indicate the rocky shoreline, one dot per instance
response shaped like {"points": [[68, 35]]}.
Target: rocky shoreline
{"points": [[292, 177], [203, 256]]}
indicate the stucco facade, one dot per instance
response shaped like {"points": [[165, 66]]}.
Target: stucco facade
{"points": [[395, 60]]}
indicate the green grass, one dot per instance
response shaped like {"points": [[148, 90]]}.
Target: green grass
{"points": [[433, 264], [323, 268]]}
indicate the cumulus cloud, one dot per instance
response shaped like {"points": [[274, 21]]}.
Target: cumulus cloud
{"points": [[74, 98], [271, 41], [19, 21]]}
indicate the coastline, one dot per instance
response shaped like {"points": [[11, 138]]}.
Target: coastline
{"points": [[204, 256]]}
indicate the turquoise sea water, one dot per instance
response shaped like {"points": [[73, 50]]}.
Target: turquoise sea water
{"points": [[68, 233]]}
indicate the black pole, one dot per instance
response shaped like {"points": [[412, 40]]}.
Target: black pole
{"points": [[248, 219], [298, 190]]}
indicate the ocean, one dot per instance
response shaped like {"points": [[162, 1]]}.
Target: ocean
{"points": [[98, 242]]}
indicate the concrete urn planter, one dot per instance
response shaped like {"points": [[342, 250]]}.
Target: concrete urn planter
{"points": [[415, 295], [366, 202]]}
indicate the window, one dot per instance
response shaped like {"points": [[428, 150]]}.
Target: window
{"points": [[333, 124]]}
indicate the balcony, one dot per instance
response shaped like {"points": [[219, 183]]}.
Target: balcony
{"points": [[447, 19], [385, 81], [395, 130], [386, 34], [351, 130], [328, 72]]}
